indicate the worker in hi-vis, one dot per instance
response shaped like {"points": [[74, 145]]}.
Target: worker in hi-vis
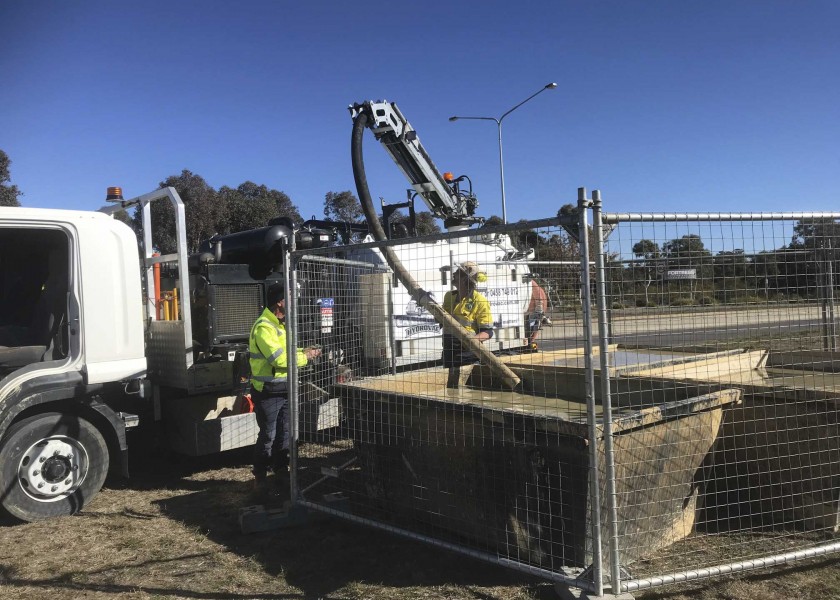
{"points": [[269, 387], [471, 309]]}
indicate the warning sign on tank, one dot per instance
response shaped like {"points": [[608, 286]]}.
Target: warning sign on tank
{"points": [[327, 305]]}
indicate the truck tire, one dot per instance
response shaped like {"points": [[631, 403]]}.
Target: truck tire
{"points": [[51, 465]]}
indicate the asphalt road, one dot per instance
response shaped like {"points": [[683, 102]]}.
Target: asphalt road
{"points": [[669, 329], [693, 336]]}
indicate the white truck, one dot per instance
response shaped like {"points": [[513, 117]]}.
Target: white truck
{"points": [[92, 337], [98, 332]]}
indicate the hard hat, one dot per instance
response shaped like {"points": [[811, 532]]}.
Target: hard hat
{"points": [[472, 271]]}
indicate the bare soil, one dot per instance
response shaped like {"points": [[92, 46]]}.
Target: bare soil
{"points": [[172, 531]]}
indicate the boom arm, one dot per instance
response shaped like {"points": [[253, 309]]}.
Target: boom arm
{"points": [[400, 140]]}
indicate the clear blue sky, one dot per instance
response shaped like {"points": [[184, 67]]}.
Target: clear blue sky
{"points": [[678, 105]]}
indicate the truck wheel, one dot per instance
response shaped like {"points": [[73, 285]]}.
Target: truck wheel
{"points": [[51, 465]]}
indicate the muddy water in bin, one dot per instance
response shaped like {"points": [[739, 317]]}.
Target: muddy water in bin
{"points": [[512, 401], [431, 384], [616, 359]]}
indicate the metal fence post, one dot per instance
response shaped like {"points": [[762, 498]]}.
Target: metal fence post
{"points": [[829, 281], [606, 400], [290, 281], [594, 479]]}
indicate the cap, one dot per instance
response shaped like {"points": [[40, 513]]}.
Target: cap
{"points": [[275, 293], [472, 271]]}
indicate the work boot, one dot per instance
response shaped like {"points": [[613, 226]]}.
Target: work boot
{"points": [[281, 463], [279, 489], [261, 491]]}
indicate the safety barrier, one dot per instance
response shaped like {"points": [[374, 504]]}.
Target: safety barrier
{"points": [[741, 302], [676, 420]]}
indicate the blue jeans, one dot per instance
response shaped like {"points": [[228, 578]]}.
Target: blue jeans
{"points": [[271, 450]]}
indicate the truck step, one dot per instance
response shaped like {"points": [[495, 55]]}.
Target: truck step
{"points": [[129, 419], [261, 518]]}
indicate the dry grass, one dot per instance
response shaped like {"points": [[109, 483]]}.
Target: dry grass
{"points": [[172, 532]]}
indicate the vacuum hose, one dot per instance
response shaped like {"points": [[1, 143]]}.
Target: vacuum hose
{"points": [[422, 297]]}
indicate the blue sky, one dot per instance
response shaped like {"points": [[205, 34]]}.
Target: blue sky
{"points": [[663, 106]]}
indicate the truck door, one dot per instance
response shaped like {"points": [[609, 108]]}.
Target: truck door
{"points": [[34, 292]]}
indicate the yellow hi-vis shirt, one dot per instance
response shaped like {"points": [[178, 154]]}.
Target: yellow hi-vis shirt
{"points": [[472, 312], [267, 347]]}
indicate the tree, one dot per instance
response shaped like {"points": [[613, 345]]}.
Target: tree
{"points": [[250, 206], [730, 264], [425, 223], [201, 211], [649, 250], [688, 252], [123, 216], [343, 206], [8, 193], [766, 271], [646, 248], [816, 233], [686, 249], [816, 243]]}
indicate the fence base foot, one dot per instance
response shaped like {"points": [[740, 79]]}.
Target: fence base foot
{"points": [[567, 592], [261, 518]]}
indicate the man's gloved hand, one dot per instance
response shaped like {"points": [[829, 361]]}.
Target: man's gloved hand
{"points": [[425, 298]]}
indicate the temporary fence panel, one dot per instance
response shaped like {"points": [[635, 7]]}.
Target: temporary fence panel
{"points": [[392, 438], [725, 328], [591, 467]]}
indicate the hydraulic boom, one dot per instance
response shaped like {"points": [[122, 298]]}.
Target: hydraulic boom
{"points": [[444, 198]]}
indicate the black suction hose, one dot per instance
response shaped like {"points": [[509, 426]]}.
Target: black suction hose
{"points": [[421, 296]]}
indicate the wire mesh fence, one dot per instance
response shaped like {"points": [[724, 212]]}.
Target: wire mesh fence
{"points": [[737, 311], [675, 416], [448, 454]]}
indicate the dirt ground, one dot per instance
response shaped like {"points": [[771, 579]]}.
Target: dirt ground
{"points": [[172, 531]]}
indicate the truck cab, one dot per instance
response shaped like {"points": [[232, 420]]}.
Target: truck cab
{"points": [[70, 326]]}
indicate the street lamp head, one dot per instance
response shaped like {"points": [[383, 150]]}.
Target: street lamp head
{"points": [[548, 86]]}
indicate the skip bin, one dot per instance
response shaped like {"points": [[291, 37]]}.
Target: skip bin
{"points": [[509, 474]]}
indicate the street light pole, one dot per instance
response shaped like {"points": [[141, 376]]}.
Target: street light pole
{"points": [[548, 86], [502, 170]]}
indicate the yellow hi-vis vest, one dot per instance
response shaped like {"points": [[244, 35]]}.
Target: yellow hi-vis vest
{"points": [[472, 312], [267, 347]]}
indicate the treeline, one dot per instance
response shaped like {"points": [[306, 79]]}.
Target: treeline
{"points": [[210, 212], [683, 271], [678, 271]]}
